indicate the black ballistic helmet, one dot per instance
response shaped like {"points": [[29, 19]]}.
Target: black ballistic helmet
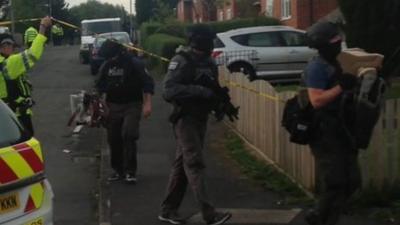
{"points": [[320, 34], [7, 38], [201, 37], [110, 48]]}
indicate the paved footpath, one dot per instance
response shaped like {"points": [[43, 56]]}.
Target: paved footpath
{"points": [[123, 204]]}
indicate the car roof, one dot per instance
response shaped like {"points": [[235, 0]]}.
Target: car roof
{"points": [[257, 29]]}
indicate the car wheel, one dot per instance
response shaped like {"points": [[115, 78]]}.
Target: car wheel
{"points": [[244, 68]]}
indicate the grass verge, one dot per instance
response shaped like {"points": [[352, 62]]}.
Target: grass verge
{"points": [[263, 174]]}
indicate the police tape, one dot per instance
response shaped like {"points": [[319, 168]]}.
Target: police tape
{"points": [[78, 28], [267, 96], [230, 83], [19, 21]]}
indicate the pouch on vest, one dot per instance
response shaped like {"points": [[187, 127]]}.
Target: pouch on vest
{"points": [[298, 119]]}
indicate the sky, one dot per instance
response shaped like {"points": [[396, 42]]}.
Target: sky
{"points": [[125, 3]]}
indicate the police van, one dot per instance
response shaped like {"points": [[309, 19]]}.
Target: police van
{"points": [[26, 196]]}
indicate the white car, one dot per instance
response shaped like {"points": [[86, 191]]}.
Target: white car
{"points": [[275, 53]]}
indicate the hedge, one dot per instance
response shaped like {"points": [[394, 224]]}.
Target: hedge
{"points": [[163, 45], [178, 29]]}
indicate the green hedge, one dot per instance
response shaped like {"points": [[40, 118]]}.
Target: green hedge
{"points": [[163, 45], [178, 29]]}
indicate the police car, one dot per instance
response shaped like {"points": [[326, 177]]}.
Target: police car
{"points": [[26, 196]]}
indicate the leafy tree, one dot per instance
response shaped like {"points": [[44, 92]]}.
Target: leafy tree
{"points": [[163, 12], [93, 9], [145, 10], [372, 25]]}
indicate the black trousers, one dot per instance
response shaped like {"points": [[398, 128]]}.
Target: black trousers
{"points": [[338, 173], [188, 167], [122, 133], [26, 121]]}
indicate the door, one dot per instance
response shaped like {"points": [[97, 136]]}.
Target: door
{"points": [[298, 52]]}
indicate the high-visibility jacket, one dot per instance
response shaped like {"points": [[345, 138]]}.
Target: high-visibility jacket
{"points": [[57, 30], [30, 35], [16, 65]]}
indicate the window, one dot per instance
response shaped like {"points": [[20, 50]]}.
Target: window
{"points": [[241, 39], [269, 8], [286, 9], [294, 38], [229, 14], [218, 43], [11, 131], [221, 16], [266, 39]]}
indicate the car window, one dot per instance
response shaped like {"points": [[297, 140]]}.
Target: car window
{"points": [[122, 38], [266, 39], [218, 43], [294, 38], [11, 131], [241, 39]]}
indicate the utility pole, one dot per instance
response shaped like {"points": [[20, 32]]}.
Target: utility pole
{"points": [[12, 17], [130, 19]]}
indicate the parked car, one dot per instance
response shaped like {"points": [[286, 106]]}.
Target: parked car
{"points": [[94, 58], [276, 53], [26, 196]]}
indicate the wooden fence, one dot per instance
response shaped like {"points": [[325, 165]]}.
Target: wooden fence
{"points": [[261, 110]]}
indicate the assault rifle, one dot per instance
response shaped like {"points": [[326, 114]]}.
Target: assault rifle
{"points": [[222, 104]]}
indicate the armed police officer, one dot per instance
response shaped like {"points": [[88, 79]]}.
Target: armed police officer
{"points": [[128, 89], [191, 85], [333, 147], [15, 89]]}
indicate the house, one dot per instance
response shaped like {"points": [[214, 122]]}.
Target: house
{"points": [[298, 13], [196, 11], [227, 10]]}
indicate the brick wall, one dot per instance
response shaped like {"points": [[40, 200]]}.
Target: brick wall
{"points": [[184, 11], [303, 12]]}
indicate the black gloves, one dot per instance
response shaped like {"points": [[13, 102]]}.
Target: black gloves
{"points": [[347, 81]]}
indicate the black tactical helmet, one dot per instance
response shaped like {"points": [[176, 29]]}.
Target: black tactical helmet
{"points": [[201, 37], [110, 48], [7, 38], [321, 34]]}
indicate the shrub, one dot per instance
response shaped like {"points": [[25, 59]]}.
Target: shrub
{"points": [[163, 45]]}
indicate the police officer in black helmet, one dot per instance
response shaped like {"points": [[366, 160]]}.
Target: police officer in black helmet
{"points": [[128, 89], [191, 109], [335, 154]]}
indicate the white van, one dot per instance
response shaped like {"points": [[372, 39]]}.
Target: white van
{"points": [[91, 28]]}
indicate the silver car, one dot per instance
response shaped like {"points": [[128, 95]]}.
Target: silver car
{"points": [[275, 53]]}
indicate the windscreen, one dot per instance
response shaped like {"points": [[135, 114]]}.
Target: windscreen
{"points": [[100, 27], [120, 37], [11, 131]]}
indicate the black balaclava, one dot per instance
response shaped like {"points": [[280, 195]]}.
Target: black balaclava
{"points": [[330, 51]]}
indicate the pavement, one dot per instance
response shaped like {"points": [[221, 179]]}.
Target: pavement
{"points": [[122, 204]]}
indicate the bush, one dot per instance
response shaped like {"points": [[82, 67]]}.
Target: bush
{"points": [[178, 29], [163, 45], [147, 29], [240, 23]]}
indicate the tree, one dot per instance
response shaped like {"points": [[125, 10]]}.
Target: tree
{"points": [[163, 12], [93, 9], [372, 25], [145, 10]]}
